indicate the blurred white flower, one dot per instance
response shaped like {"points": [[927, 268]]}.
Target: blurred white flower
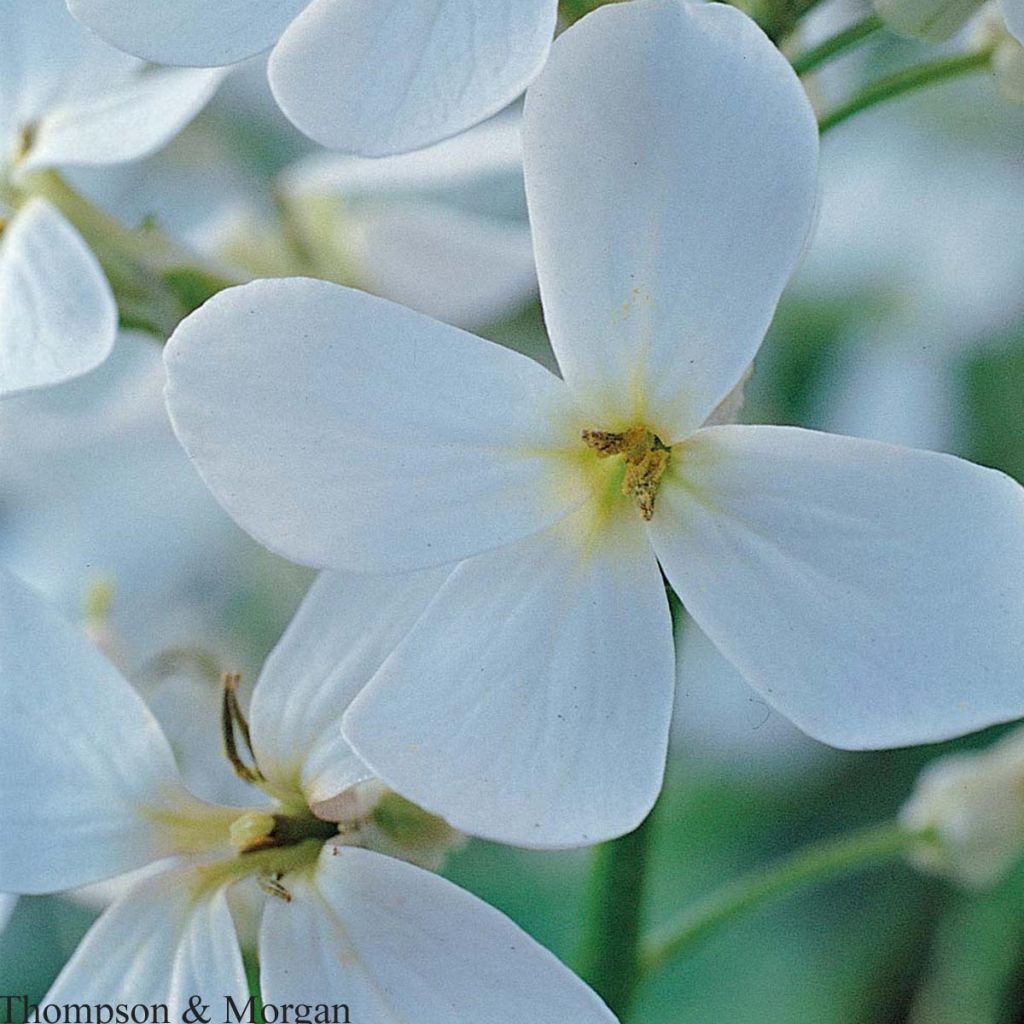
{"points": [[973, 806], [920, 230], [443, 230], [934, 20], [82, 760], [97, 491], [374, 77], [531, 702], [938, 20], [1005, 36], [67, 100]]}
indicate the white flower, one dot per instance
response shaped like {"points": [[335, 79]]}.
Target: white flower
{"points": [[973, 805], [367, 76], [1004, 36], [853, 584], [938, 20], [82, 466], [90, 789], [934, 20], [67, 100], [442, 230]]}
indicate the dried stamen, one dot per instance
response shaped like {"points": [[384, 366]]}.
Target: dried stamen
{"points": [[646, 457], [232, 718]]}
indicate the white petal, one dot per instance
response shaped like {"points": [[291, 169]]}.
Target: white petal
{"points": [[461, 268], [873, 594], [48, 58], [661, 261], [124, 124], [345, 628], [1013, 13], [162, 942], [490, 149], [386, 76], [195, 32], [531, 703], [58, 319], [341, 430], [396, 943], [88, 784]]}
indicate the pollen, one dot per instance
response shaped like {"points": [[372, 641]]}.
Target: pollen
{"points": [[646, 458]]}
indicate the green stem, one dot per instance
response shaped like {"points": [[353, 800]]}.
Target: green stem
{"points": [[155, 281], [609, 956], [813, 863], [836, 45], [908, 80]]}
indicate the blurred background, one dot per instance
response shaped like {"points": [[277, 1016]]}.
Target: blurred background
{"points": [[905, 323]]}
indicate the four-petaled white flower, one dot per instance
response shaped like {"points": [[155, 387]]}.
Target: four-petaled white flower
{"points": [[90, 789], [67, 100], [374, 77], [856, 585]]}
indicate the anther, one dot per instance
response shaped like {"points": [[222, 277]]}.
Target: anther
{"points": [[270, 883], [646, 457], [25, 140]]}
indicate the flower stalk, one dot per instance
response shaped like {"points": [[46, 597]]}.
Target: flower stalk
{"points": [[908, 80], [836, 45], [819, 861], [609, 958]]}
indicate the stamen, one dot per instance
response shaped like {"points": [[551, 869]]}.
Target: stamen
{"points": [[233, 717], [25, 140], [646, 457], [270, 883]]}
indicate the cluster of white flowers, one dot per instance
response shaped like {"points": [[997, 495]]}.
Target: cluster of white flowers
{"points": [[67, 100], [488, 649]]}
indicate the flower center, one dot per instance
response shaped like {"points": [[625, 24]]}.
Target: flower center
{"points": [[262, 830], [646, 458]]}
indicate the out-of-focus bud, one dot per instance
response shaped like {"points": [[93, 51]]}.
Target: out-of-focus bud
{"points": [[1008, 68], [933, 20], [970, 809], [993, 34]]}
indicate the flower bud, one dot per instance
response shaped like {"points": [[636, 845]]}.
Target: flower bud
{"points": [[970, 808], [933, 20], [1008, 68]]}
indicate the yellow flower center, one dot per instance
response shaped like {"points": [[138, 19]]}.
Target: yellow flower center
{"points": [[646, 458]]}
